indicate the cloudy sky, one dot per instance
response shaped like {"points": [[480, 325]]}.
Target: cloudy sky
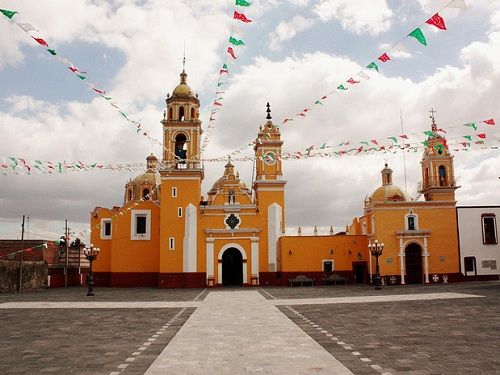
{"points": [[295, 52]]}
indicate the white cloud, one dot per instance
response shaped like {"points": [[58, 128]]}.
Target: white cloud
{"points": [[361, 17], [319, 192], [299, 3], [288, 30]]}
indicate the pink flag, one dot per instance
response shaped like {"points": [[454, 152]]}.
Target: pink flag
{"points": [[437, 21], [41, 41], [384, 57], [231, 52]]}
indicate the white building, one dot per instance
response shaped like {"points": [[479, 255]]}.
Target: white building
{"points": [[478, 241]]}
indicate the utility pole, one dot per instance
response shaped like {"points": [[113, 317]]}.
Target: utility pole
{"points": [[21, 257], [66, 234]]}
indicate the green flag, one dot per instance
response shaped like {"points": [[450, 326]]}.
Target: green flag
{"points": [[439, 147], [51, 51], [81, 77], [373, 66], [341, 87], [236, 42], [468, 137], [429, 133], [8, 13], [224, 66], [471, 125], [393, 139], [318, 102], [243, 3], [425, 143], [419, 35]]}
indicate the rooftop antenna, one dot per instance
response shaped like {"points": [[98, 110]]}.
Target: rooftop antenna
{"points": [[404, 146]]}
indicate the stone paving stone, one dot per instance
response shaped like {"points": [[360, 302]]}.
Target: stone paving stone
{"points": [[453, 336], [239, 332], [78, 341]]}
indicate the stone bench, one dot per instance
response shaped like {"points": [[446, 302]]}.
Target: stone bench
{"points": [[334, 279], [301, 280]]}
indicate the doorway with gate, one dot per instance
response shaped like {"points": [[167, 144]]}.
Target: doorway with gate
{"points": [[413, 258], [232, 267], [360, 272]]}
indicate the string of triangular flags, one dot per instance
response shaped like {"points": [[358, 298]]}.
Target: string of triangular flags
{"points": [[81, 75], [374, 66], [234, 42], [43, 246], [17, 165]]}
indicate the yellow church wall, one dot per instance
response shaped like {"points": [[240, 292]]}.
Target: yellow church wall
{"points": [[442, 240], [103, 262], [188, 191], [135, 255], [306, 253]]}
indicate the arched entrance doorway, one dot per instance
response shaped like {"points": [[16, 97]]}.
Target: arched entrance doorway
{"points": [[413, 256], [232, 267]]}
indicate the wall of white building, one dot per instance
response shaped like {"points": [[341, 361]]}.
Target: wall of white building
{"points": [[486, 257]]}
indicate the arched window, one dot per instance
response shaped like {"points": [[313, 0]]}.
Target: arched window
{"points": [[426, 177], [442, 175], [170, 113], [180, 148], [411, 221], [129, 195], [192, 113], [145, 194], [181, 113]]}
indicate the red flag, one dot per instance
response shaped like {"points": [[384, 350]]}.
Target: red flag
{"points": [[217, 103], [305, 110], [352, 81], [98, 91], [231, 52], [359, 150], [286, 120], [374, 141], [482, 135], [324, 97], [384, 57], [222, 71], [301, 114], [382, 148], [41, 41], [404, 136], [437, 21], [241, 17], [489, 122]]}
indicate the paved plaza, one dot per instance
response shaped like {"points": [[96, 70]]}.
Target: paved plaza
{"points": [[413, 330]]}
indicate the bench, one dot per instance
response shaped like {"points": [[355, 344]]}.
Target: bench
{"points": [[301, 280], [334, 279]]}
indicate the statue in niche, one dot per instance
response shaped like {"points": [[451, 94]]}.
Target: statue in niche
{"points": [[232, 199]]}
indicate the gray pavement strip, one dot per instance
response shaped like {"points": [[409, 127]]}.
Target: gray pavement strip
{"points": [[99, 305], [369, 299]]}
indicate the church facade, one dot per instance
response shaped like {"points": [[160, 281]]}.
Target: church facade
{"points": [[166, 234]]}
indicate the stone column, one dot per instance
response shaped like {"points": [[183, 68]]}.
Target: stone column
{"points": [[210, 258], [255, 258], [426, 261], [402, 260]]}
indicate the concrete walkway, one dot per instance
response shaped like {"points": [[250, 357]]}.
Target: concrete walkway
{"points": [[240, 332]]}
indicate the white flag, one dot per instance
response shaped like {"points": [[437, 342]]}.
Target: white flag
{"points": [[460, 4], [363, 75], [26, 26]]}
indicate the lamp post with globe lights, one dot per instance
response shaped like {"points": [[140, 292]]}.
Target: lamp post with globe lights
{"points": [[376, 249], [91, 253]]}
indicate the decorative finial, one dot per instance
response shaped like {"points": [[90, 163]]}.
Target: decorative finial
{"points": [[433, 126], [268, 110], [164, 113]]}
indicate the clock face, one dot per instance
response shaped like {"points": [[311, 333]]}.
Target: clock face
{"points": [[269, 158]]}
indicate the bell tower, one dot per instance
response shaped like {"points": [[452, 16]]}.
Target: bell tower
{"points": [[269, 188], [182, 129], [181, 178], [438, 175]]}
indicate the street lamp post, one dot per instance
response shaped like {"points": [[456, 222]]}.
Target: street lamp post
{"points": [[376, 250], [91, 253]]}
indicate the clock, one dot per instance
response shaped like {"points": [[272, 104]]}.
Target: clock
{"points": [[269, 158]]}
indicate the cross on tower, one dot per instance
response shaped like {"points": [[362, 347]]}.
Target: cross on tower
{"points": [[184, 58], [434, 127]]}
